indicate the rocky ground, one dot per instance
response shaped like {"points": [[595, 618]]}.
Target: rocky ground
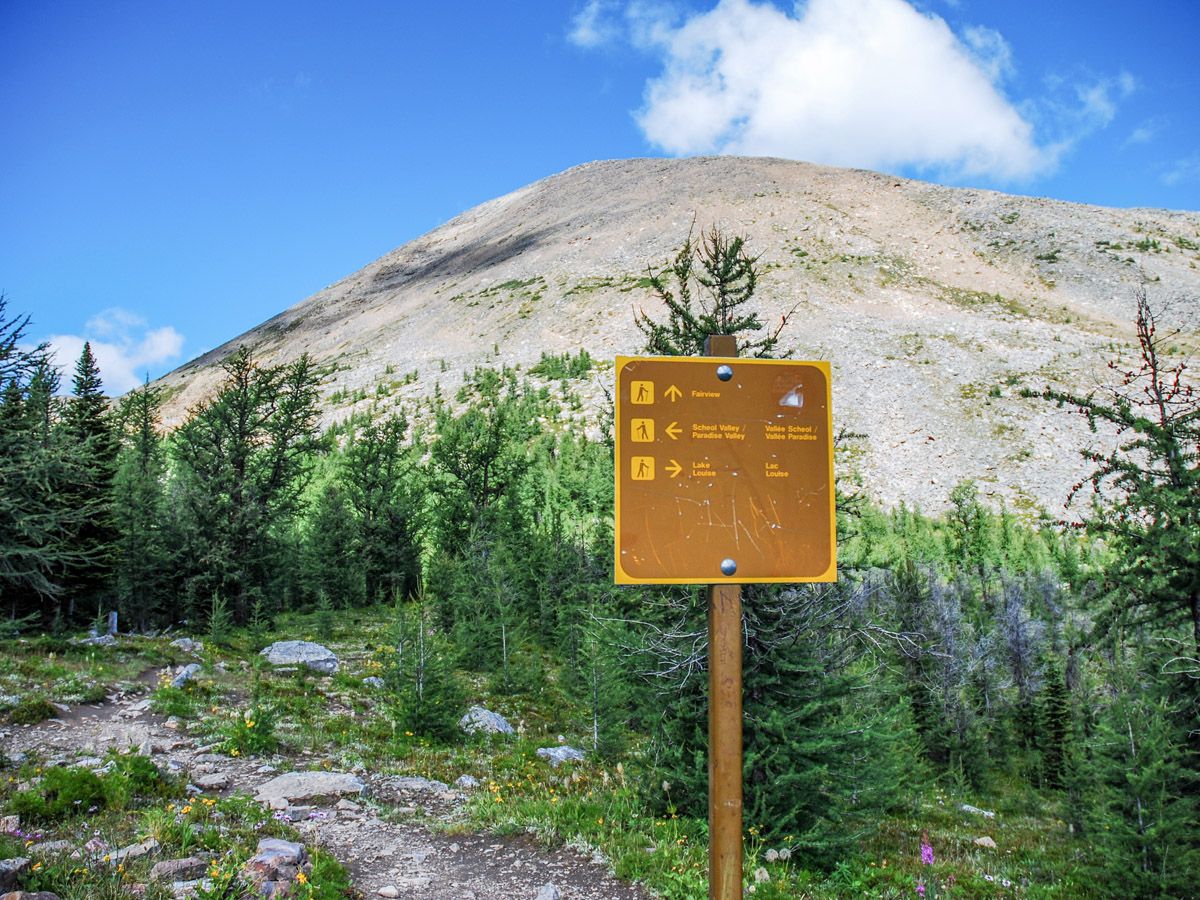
{"points": [[396, 835]]}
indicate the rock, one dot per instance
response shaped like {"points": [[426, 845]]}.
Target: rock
{"points": [[133, 851], [50, 848], [985, 841], [11, 870], [173, 722], [187, 645], [480, 720], [548, 892], [389, 891], [466, 782], [9, 824], [276, 860], [183, 889], [186, 674], [373, 681], [410, 784], [968, 808], [104, 640], [560, 755], [306, 653], [348, 806], [29, 895], [308, 785], [216, 782], [179, 869]]}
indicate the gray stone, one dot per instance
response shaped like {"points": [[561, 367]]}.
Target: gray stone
{"points": [[308, 785], [50, 848], [373, 681], [411, 784], [179, 869], [133, 851], [305, 653], [276, 860], [187, 645], [29, 895], [466, 782], [186, 674], [968, 808], [985, 841], [548, 892], [104, 640], [559, 755], [480, 720], [9, 824], [11, 870], [216, 782]]}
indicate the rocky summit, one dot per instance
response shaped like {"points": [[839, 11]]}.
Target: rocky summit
{"points": [[935, 305]]}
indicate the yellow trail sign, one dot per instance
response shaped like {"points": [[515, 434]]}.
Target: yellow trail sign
{"points": [[724, 471]]}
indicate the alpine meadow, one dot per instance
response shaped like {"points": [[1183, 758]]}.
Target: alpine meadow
{"points": [[412, 473]]}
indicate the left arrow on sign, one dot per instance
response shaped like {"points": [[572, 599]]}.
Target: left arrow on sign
{"points": [[673, 431]]}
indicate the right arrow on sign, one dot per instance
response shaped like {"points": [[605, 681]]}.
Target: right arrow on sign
{"points": [[674, 469]]}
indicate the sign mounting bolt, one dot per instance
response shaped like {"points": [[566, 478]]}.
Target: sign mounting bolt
{"points": [[728, 566], [724, 372]]}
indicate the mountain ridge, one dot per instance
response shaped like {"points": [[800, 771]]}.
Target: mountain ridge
{"points": [[934, 304]]}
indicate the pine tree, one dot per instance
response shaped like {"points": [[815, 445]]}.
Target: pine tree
{"points": [[705, 289], [245, 458], [35, 465], [91, 444], [144, 555], [332, 567], [1148, 488], [378, 478]]}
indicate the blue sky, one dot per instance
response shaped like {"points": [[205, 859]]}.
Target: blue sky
{"points": [[172, 174]]}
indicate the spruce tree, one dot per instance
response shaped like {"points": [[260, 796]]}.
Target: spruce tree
{"points": [[144, 545], [91, 444]]}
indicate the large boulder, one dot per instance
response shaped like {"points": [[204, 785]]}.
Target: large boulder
{"points": [[308, 786], [480, 720], [302, 653]]}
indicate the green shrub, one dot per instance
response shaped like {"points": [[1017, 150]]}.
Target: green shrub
{"points": [[251, 732], [173, 701], [62, 793], [32, 711]]}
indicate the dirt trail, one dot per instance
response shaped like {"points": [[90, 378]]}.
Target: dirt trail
{"points": [[370, 835]]}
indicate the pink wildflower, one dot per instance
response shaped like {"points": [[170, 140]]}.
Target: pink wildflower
{"points": [[926, 850]]}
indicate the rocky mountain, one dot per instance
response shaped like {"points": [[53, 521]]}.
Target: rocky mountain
{"points": [[935, 305]]}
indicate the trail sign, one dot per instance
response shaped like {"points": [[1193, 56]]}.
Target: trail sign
{"points": [[724, 471]]}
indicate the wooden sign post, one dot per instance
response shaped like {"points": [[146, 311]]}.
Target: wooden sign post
{"points": [[724, 476]]}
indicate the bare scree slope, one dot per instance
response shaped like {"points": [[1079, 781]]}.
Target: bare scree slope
{"points": [[935, 305]]}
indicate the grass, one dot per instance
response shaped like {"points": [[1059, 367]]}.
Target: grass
{"points": [[605, 807]]}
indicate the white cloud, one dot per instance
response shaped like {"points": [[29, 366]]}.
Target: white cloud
{"points": [[990, 51], [1182, 171], [869, 83], [594, 25], [124, 347], [1144, 133]]}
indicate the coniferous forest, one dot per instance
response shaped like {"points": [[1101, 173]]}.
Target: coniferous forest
{"points": [[1049, 668]]}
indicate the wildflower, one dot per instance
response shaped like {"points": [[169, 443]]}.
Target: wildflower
{"points": [[302, 878], [921, 888], [785, 854], [926, 849], [761, 875], [772, 855]]}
